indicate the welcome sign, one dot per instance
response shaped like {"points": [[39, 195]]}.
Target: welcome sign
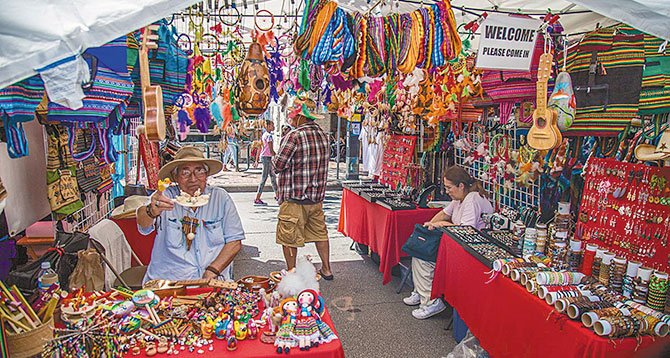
{"points": [[507, 42]]}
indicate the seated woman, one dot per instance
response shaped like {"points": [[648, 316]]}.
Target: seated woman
{"points": [[466, 208]]}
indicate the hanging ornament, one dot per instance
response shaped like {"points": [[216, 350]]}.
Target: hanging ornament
{"points": [[188, 226], [254, 82]]}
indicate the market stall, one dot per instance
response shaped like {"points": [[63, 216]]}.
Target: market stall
{"points": [[489, 307], [381, 228], [557, 113]]}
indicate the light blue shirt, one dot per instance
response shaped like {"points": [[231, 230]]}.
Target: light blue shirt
{"points": [[219, 224]]}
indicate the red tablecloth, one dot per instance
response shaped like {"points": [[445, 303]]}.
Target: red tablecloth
{"points": [[509, 321], [142, 245], [383, 230], [256, 349]]}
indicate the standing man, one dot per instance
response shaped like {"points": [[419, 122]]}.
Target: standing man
{"points": [[267, 153], [302, 168]]}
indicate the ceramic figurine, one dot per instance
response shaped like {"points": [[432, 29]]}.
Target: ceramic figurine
{"points": [[240, 330], [285, 335], [232, 343], [252, 329], [220, 328], [162, 345], [206, 329], [151, 349]]}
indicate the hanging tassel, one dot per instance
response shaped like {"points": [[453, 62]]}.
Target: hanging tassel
{"points": [[202, 118], [303, 77], [235, 113], [183, 120], [227, 115]]}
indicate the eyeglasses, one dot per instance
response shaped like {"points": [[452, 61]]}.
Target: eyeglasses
{"points": [[199, 173]]}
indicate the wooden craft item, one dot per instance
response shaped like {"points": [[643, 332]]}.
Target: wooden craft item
{"points": [[544, 134], [152, 96]]}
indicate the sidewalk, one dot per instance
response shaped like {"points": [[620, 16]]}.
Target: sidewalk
{"points": [[248, 180]]}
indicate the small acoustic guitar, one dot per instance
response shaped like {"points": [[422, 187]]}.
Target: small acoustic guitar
{"points": [[152, 96], [165, 288], [544, 134]]}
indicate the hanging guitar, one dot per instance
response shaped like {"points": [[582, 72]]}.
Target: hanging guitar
{"points": [[152, 96], [544, 134]]}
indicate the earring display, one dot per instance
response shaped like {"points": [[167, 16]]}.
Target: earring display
{"points": [[625, 208], [398, 153]]}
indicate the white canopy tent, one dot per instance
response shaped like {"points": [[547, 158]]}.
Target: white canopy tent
{"points": [[37, 33]]}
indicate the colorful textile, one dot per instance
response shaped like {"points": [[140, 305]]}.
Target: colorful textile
{"points": [[606, 70]]}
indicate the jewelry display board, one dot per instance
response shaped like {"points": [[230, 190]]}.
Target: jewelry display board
{"points": [[481, 147], [478, 244], [398, 153], [626, 209]]}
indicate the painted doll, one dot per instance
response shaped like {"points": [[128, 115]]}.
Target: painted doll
{"points": [[285, 339], [306, 328]]}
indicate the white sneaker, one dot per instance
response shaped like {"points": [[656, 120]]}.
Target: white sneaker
{"points": [[430, 310], [413, 299]]}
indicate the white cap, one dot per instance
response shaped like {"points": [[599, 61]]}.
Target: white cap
{"points": [[46, 265]]}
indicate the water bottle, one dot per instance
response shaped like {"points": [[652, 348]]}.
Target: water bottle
{"points": [[46, 277]]}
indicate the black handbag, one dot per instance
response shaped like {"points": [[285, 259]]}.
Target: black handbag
{"points": [[63, 259], [423, 243]]}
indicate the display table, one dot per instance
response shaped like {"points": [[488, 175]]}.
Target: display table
{"points": [[383, 230], [254, 348], [509, 321]]}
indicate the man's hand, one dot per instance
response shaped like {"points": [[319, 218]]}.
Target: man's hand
{"points": [[160, 203], [208, 275]]}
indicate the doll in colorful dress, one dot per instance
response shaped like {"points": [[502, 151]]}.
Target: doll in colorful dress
{"points": [[326, 333], [306, 328], [285, 339]]}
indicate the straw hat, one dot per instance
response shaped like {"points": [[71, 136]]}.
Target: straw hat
{"points": [[648, 152], [189, 154], [664, 142], [130, 204], [306, 107]]}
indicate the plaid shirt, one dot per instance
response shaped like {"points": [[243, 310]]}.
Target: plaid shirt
{"points": [[302, 164]]}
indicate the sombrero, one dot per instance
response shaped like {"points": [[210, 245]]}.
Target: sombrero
{"points": [[130, 205], [648, 152], [189, 154]]}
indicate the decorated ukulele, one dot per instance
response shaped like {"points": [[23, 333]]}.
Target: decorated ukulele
{"points": [[544, 134], [152, 96]]}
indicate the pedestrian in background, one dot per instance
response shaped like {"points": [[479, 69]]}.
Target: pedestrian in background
{"points": [[267, 153]]}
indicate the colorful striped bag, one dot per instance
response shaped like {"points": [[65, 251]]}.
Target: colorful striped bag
{"points": [[507, 88], [606, 70], [107, 96], [655, 92], [17, 106]]}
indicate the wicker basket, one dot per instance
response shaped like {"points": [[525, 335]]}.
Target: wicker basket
{"points": [[28, 344]]}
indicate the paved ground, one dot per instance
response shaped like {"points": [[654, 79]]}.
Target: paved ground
{"points": [[370, 318], [247, 180]]}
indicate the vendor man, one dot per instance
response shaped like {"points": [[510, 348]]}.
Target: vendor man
{"points": [[191, 242]]}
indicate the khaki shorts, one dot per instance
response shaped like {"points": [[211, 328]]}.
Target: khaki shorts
{"points": [[299, 224]]}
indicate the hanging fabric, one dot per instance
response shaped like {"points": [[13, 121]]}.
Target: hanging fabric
{"points": [[606, 70], [18, 103]]}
